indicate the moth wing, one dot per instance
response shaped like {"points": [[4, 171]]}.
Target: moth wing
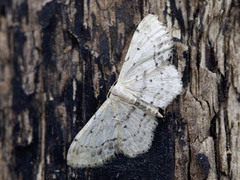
{"points": [[151, 45], [145, 72], [159, 87], [116, 127], [97, 140], [136, 129]]}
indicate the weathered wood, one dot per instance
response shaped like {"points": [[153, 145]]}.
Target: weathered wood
{"points": [[58, 60]]}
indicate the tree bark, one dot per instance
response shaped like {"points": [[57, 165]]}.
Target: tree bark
{"points": [[58, 59]]}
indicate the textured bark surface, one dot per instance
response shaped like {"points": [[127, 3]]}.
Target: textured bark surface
{"points": [[58, 60]]}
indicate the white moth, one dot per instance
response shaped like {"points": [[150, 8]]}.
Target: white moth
{"points": [[125, 123]]}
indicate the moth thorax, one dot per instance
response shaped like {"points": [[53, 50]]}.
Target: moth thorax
{"points": [[122, 93]]}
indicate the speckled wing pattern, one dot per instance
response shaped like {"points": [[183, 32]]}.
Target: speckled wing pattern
{"points": [[115, 127], [146, 72], [97, 140], [136, 130], [119, 126]]}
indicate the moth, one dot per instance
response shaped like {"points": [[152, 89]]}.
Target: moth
{"points": [[126, 121]]}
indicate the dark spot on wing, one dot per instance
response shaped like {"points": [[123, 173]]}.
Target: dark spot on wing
{"points": [[138, 48], [154, 56], [150, 80], [160, 57], [130, 112], [99, 151], [137, 103], [160, 45], [144, 73]]}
